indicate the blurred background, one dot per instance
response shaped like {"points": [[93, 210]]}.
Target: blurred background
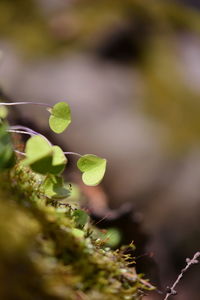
{"points": [[130, 71]]}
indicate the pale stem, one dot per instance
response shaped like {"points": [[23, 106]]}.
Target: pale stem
{"points": [[27, 131], [19, 152], [23, 128], [20, 131], [31, 132], [66, 153], [24, 103], [72, 153]]}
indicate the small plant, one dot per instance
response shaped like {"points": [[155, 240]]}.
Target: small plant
{"points": [[50, 249], [50, 160]]}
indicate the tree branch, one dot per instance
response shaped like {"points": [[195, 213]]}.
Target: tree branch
{"points": [[171, 290]]}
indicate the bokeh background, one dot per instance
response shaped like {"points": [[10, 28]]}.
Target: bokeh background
{"points": [[130, 71]]}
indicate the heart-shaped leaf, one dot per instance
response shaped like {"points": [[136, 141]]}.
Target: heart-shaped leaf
{"points": [[93, 168], [54, 188], [58, 162], [39, 154], [60, 117]]}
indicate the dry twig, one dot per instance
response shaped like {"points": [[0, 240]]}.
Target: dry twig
{"points": [[171, 290]]}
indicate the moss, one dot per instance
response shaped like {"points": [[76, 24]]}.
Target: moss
{"points": [[43, 257]]}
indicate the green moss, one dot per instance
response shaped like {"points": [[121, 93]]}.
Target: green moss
{"points": [[43, 257]]}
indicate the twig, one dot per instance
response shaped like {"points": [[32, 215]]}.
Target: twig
{"points": [[171, 290]]}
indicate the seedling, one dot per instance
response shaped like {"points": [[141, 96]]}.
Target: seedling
{"points": [[50, 160]]}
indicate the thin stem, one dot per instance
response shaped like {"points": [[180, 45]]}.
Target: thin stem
{"points": [[19, 152], [20, 131], [72, 153], [27, 131], [66, 153], [24, 103], [23, 128], [171, 290]]}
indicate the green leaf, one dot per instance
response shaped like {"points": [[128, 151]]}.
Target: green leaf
{"points": [[58, 162], [60, 117], [54, 188], [39, 154], [3, 112], [44, 158], [7, 156], [93, 168], [81, 217], [78, 233], [114, 237]]}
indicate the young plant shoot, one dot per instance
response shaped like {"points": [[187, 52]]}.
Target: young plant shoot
{"points": [[45, 232], [50, 160]]}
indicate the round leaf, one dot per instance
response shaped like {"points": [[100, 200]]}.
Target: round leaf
{"points": [[39, 154], [54, 188], [114, 237], [58, 162], [93, 168], [81, 217], [60, 117]]}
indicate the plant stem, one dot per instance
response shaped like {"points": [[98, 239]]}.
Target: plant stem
{"points": [[72, 153], [28, 131], [19, 152], [20, 131], [23, 128], [66, 153], [24, 103]]}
